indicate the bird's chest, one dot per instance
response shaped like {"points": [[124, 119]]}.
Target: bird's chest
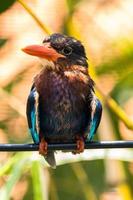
{"points": [[63, 92], [60, 93]]}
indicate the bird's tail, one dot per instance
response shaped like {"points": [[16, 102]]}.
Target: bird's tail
{"points": [[50, 158]]}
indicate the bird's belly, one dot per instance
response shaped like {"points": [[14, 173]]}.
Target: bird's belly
{"points": [[63, 128], [63, 119]]}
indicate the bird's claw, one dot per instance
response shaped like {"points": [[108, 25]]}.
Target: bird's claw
{"points": [[80, 145], [43, 147]]}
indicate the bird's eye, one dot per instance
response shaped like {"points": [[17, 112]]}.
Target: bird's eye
{"points": [[67, 50]]}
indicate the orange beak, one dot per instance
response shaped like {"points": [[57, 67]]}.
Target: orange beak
{"points": [[45, 51]]}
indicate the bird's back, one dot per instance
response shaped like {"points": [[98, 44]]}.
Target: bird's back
{"points": [[63, 106]]}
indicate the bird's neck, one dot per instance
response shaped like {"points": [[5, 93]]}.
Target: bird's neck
{"points": [[62, 65]]}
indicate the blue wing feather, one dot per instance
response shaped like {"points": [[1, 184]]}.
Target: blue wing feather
{"points": [[96, 117], [31, 115]]}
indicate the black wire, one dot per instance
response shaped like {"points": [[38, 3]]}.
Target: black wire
{"points": [[69, 147]]}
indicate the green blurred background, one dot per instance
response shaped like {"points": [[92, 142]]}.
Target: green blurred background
{"points": [[106, 30]]}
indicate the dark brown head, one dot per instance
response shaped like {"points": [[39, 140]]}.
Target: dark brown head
{"points": [[60, 49]]}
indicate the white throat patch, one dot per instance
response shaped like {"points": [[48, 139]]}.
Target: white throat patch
{"points": [[47, 64]]}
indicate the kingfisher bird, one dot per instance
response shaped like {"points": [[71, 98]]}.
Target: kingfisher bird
{"points": [[62, 106]]}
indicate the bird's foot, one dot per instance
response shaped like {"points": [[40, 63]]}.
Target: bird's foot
{"points": [[43, 147], [80, 145]]}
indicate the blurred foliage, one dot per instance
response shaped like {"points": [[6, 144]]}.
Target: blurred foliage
{"points": [[123, 89], [120, 64], [25, 175], [5, 5], [72, 5], [2, 42]]}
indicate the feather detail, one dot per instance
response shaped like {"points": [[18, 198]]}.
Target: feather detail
{"points": [[31, 111], [36, 96], [95, 116], [50, 158]]}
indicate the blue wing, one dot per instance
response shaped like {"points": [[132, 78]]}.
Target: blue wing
{"points": [[31, 112], [95, 117]]}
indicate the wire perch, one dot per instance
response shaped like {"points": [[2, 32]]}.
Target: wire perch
{"points": [[68, 147]]}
